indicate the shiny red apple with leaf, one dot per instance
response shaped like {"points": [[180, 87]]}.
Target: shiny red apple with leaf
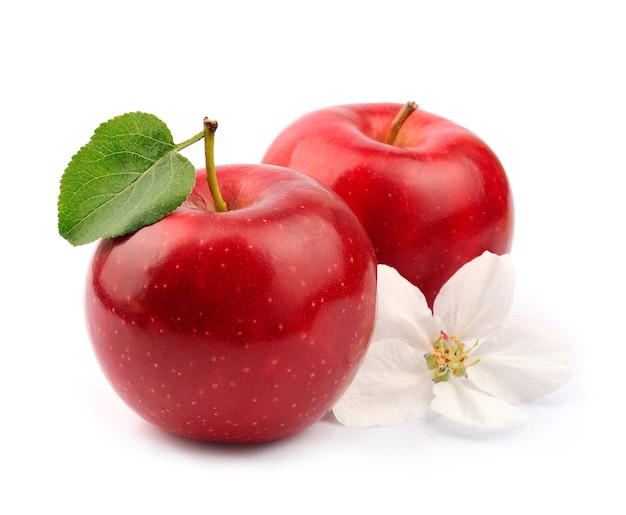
{"points": [[431, 194], [242, 315]]}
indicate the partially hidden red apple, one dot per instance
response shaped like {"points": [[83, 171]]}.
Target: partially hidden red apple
{"points": [[431, 194], [237, 326]]}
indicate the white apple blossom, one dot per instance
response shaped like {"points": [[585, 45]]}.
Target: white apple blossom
{"points": [[468, 359]]}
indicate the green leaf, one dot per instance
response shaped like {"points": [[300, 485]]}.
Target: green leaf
{"points": [[129, 175]]}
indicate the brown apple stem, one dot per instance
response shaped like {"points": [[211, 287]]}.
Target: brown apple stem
{"points": [[398, 122], [210, 126]]}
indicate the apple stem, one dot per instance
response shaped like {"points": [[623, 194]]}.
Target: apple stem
{"points": [[210, 126], [399, 120]]}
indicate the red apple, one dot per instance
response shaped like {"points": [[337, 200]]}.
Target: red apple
{"points": [[431, 194], [237, 326]]}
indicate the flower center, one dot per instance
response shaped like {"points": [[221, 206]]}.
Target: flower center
{"points": [[449, 358]]}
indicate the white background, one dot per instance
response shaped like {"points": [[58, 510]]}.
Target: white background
{"points": [[541, 81]]}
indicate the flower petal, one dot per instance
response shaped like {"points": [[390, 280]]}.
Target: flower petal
{"points": [[522, 361], [477, 298], [402, 312], [458, 401], [392, 387]]}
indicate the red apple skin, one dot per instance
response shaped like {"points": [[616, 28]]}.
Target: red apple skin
{"points": [[243, 326], [435, 199]]}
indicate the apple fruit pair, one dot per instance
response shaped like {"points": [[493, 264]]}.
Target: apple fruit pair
{"points": [[242, 315], [431, 194]]}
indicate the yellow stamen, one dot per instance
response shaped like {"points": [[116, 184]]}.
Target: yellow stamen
{"points": [[449, 357]]}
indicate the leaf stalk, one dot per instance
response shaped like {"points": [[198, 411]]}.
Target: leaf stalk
{"points": [[189, 142]]}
